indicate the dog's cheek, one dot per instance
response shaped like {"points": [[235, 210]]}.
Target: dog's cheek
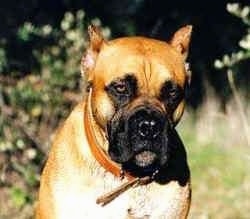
{"points": [[103, 109], [164, 149], [177, 114], [119, 149]]}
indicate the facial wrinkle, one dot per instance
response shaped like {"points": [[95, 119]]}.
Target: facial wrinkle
{"points": [[147, 73]]}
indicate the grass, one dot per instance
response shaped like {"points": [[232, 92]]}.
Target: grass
{"points": [[220, 172]]}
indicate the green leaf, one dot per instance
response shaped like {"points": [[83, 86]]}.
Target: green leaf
{"points": [[18, 196]]}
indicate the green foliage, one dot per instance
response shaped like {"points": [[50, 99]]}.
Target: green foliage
{"points": [[32, 106], [243, 53], [3, 60], [19, 197]]}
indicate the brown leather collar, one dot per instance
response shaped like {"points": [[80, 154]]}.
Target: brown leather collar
{"points": [[100, 155]]}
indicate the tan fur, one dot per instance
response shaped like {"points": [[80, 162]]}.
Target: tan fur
{"points": [[72, 179]]}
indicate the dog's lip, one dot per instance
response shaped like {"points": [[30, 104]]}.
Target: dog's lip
{"points": [[145, 158]]}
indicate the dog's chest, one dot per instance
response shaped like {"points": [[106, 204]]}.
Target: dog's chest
{"points": [[150, 201], [135, 203]]}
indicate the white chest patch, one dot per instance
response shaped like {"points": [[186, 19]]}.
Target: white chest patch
{"points": [[78, 200]]}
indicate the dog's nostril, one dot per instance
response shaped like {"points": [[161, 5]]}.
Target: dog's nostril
{"points": [[149, 128], [144, 128]]}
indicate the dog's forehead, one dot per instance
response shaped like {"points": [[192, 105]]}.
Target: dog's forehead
{"points": [[150, 61]]}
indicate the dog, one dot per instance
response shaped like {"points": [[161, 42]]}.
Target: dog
{"points": [[123, 135]]}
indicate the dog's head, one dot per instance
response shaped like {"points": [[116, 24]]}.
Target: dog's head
{"points": [[138, 87]]}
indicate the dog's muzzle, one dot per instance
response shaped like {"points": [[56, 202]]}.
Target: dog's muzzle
{"points": [[138, 139]]}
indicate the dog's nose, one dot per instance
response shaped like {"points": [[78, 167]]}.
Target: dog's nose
{"points": [[149, 128], [147, 123]]}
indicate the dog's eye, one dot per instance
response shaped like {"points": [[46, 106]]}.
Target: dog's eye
{"points": [[123, 86], [169, 90], [120, 87], [122, 90], [171, 94]]}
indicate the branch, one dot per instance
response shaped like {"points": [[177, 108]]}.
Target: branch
{"points": [[239, 104]]}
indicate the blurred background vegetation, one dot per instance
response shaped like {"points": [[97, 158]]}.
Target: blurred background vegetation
{"points": [[41, 44]]}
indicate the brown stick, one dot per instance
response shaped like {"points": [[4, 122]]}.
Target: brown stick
{"points": [[110, 196]]}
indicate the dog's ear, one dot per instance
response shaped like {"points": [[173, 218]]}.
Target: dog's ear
{"points": [[181, 39], [96, 41]]}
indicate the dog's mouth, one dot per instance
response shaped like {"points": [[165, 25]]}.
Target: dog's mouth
{"points": [[141, 164], [145, 158]]}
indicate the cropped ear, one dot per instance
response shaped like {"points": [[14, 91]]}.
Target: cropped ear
{"points": [[181, 39], [88, 61]]}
